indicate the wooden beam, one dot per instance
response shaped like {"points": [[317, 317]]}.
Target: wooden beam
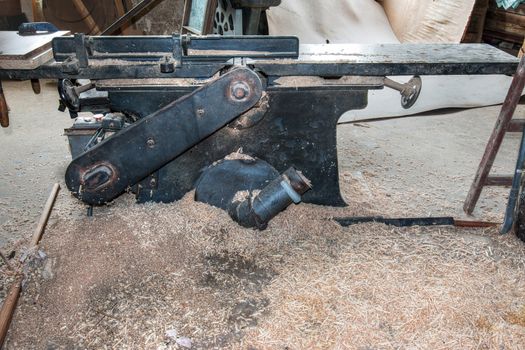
{"points": [[87, 18], [38, 11], [119, 6], [516, 125], [499, 180]]}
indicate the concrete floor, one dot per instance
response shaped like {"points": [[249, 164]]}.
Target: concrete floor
{"points": [[35, 156], [422, 165], [425, 165]]}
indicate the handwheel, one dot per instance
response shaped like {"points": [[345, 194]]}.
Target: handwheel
{"points": [[68, 95]]}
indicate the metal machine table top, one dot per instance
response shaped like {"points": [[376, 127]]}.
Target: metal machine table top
{"points": [[200, 57], [394, 59]]}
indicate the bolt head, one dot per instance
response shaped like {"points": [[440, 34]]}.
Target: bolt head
{"points": [[150, 143], [240, 90]]}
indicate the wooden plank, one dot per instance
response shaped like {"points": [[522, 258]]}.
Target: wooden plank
{"points": [[474, 32], [26, 52], [28, 63], [505, 27], [15, 46], [507, 17], [490, 34]]}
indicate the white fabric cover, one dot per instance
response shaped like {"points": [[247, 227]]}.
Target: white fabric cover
{"points": [[365, 22]]}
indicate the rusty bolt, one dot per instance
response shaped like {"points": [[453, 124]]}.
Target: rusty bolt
{"points": [[150, 143], [240, 90], [200, 112]]}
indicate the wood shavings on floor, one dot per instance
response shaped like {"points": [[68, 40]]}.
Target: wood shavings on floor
{"points": [[133, 276]]}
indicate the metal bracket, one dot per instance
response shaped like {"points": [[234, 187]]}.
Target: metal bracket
{"points": [[177, 50], [81, 50]]}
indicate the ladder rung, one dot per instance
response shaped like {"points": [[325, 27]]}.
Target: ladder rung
{"points": [[516, 125], [499, 180]]}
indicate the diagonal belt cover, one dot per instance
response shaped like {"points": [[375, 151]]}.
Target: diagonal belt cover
{"points": [[104, 172]]}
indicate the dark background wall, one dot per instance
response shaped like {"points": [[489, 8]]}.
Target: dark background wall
{"points": [[163, 17]]}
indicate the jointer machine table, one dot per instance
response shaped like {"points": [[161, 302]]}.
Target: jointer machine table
{"points": [[172, 113]]}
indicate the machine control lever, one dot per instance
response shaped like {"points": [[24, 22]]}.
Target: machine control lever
{"points": [[70, 94]]}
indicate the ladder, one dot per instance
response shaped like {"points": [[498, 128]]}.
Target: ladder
{"points": [[504, 124]]}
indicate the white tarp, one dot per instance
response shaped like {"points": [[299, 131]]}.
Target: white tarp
{"points": [[365, 22]]}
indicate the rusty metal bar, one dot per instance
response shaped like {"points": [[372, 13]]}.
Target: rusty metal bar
{"points": [[494, 143]]}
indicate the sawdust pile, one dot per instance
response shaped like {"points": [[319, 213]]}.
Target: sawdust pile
{"points": [[139, 276]]}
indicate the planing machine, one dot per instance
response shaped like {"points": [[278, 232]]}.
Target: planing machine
{"points": [[249, 122]]}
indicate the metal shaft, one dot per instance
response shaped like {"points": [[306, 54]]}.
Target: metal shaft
{"points": [[395, 85], [84, 88]]}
